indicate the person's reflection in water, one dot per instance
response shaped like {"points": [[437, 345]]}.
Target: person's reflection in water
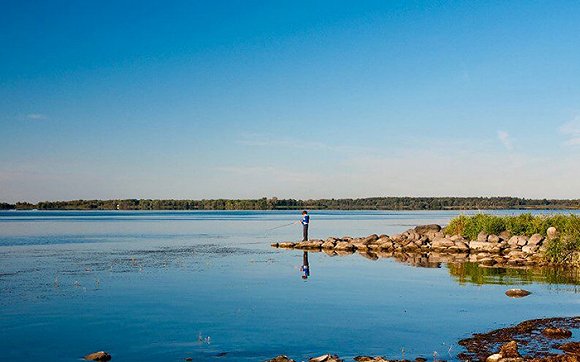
{"points": [[305, 268]]}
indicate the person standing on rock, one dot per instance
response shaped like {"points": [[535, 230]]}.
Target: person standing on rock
{"points": [[305, 268], [305, 221]]}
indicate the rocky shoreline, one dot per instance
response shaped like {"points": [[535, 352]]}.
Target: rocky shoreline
{"points": [[537, 340], [430, 241]]}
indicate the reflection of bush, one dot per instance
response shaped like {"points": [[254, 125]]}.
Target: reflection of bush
{"points": [[474, 274], [560, 249]]}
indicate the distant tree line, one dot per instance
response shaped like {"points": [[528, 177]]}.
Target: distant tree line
{"points": [[371, 203]]}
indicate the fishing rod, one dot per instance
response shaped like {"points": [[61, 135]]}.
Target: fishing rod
{"points": [[281, 226]]}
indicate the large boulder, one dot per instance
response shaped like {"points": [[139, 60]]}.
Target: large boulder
{"points": [[482, 237], [530, 249], [442, 243], [522, 240], [513, 241], [552, 233], [425, 229], [535, 239], [483, 246]]}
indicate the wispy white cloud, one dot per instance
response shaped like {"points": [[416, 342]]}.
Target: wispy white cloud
{"points": [[571, 130], [36, 116], [505, 139]]}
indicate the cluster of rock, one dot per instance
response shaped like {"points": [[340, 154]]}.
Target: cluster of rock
{"points": [[335, 358], [502, 249], [509, 353], [536, 340]]}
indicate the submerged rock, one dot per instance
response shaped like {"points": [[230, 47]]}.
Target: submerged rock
{"points": [[510, 350], [571, 347], [98, 356], [559, 333], [517, 293], [280, 358]]}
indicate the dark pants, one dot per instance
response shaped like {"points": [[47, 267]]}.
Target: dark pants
{"points": [[305, 232]]}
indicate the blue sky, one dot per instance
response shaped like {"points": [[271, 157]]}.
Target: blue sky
{"points": [[301, 99]]}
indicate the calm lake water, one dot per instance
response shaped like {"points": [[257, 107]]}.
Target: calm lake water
{"points": [[169, 285]]}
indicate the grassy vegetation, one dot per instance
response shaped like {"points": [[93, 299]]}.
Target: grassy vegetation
{"points": [[560, 249]]}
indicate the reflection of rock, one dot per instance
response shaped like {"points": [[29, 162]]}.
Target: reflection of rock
{"points": [[557, 333], [517, 293], [98, 356], [488, 250], [369, 255]]}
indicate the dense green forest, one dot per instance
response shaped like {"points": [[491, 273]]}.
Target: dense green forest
{"points": [[372, 203]]}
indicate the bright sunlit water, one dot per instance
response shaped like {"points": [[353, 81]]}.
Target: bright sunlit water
{"points": [[169, 285]]}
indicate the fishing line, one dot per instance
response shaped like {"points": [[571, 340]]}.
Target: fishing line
{"points": [[281, 226]]}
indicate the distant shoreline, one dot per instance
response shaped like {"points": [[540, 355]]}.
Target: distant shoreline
{"points": [[363, 204]]}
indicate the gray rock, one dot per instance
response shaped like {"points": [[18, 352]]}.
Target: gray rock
{"points": [[522, 240], [552, 233], [482, 237], [424, 229], [530, 249], [513, 241], [505, 235], [535, 239], [482, 246], [440, 243]]}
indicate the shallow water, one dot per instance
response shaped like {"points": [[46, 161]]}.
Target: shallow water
{"points": [[207, 285]]}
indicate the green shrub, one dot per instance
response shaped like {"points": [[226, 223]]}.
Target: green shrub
{"points": [[560, 249]]}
